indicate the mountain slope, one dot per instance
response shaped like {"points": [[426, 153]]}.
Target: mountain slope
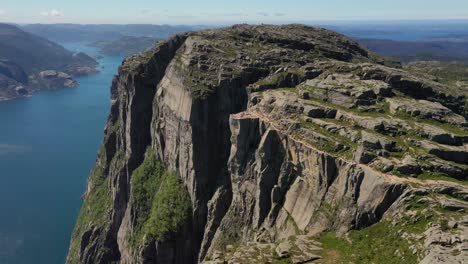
{"points": [[44, 63], [256, 144], [105, 32], [408, 51], [35, 54], [125, 46]]}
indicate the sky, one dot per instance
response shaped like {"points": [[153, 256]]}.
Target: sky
{"points": [[226, 11]]}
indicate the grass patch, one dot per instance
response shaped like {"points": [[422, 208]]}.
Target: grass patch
{"points": [[228, 51], [416, 204], [198, 88], [278, 260], [447, 72], [416, 225], [378, 243], [412, 120], [439, 176], [277, 80], [291, 220], [330, 145]]}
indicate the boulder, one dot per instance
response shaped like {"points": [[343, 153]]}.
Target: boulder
{"points": [[425, 109], [362, 156], [439, 135], [458, 154], [409, 166]]}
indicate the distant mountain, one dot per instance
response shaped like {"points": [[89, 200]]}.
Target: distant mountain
{"points": [[407, 51], [34, 53], [92, 33], [452, 38], [124, 46], [12, 80], [450, 73], [29, 62]]}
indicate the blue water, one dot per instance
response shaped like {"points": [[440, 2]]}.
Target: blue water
{"points": [[400, 30], [48, 144]]}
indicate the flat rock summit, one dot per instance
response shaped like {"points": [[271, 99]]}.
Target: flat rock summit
{"points": [[276, 144]]}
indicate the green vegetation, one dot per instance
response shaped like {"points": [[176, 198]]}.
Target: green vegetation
{"points": [[387, 61], [448, 73], [330, 146], [135, 61], [171, 208], [231, 234], [430, 175], [195, 79], [379, 243], [446, 126], [145, 180], [416, 225], [96, 205], [291, 220], [417, 204], [278, 260], [228, 51], [125, 46], [278, 79], [159, 199], [329, 211], [320, 96], [199, 90]]}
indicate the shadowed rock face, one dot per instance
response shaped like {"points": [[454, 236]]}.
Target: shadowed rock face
{"points": [[278, 133]]}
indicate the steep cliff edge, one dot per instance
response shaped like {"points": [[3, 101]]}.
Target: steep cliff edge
{"points": [[263, 144]]}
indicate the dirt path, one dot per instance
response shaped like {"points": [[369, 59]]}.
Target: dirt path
{"points": [[388, 177]]}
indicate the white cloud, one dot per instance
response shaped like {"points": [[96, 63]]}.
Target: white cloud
{"points": [[2, 12], [52, 13]]}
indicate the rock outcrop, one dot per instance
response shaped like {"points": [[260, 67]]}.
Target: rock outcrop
{"points": [[52, 79], [293, 144]]}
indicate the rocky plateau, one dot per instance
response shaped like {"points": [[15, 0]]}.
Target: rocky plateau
{"points": [[276, 144]]}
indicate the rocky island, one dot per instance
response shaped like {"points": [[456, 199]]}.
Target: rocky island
{"points": [[29, 63], [276, 144]]}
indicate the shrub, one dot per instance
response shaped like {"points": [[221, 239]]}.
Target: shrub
{"points": [[159, 201]]}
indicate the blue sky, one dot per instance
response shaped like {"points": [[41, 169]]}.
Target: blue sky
{"points": [[226, 11]]}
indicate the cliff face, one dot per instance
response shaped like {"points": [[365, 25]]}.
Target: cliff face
{"points": [[257, 144]]}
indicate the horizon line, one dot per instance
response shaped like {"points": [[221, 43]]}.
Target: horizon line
{"points": [[390, 20]]}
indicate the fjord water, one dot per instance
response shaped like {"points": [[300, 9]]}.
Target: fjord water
{"points": [[48, 144]]}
